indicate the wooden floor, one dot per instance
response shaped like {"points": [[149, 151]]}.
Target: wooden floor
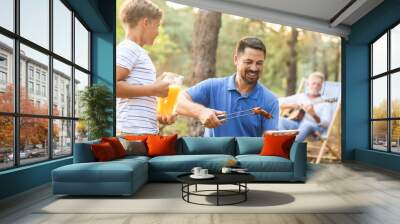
{"points": [[377, 188]]}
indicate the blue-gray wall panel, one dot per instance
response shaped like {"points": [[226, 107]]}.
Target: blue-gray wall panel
{"points": [[24, 178], [356, 83]]}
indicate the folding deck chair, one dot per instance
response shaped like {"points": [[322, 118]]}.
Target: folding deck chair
{"points": [[319, 146], [329, 90]]}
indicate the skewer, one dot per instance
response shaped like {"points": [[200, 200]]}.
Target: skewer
{"points": [[238, 112], [254, 111], [223, 117]]}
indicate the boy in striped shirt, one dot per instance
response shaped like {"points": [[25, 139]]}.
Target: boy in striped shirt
{"points": [[137, 86]]}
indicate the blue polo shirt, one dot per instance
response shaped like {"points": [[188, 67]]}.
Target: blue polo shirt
{"points": [[221, 94]]}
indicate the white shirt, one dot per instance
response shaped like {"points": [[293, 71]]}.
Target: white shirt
{"points": [[136, 114], [323, 110]]}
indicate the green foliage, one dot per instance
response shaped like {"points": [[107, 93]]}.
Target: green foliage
{"points": [[275, 67], [96, 102], [231, 31], [380, 111], [120, 29], [180, 127], [162, 50], [171, 51]]}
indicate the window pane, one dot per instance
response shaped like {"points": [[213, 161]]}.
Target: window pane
{"points": [[34, 79], [395, 138], [81, 131], [35, 21], [6, 142], [81, 45], [62, 141], [7, 14], [6, 74], [33, 139], [81, 81], [395, 94], [62, 89], [379, 55], [379, 135], [395, 47], [379, 97], [62, 29]]}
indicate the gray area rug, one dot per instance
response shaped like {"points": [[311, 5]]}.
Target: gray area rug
{"points": [[166, 198]]}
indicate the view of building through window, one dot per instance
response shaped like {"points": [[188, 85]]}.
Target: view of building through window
{"points": [[40, 83]]}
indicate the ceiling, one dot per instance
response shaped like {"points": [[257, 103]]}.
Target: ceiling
{"points": [[333, 17]]}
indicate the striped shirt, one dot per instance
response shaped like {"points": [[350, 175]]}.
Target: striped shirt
{"points": [[136, 114]]}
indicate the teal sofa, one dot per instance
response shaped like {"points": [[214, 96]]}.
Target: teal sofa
{"points": [[125, 176]]}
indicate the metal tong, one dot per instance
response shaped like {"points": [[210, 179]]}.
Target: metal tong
{"points": [[241, 113]]}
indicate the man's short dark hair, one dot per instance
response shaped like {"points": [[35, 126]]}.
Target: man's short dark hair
{"points": [[250, 42]]}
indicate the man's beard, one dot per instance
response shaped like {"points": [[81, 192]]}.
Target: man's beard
{"points": [[250, 77]]}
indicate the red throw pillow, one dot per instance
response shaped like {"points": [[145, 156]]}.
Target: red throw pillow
{"points": [[277, 145], [103, 151], [161, 145], [116, 145]]}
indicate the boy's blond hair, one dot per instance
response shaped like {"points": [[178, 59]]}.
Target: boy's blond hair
{"points": [[132, 11]]}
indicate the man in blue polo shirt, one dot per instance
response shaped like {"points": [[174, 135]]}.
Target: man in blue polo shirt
{"points": [[214, 97]]}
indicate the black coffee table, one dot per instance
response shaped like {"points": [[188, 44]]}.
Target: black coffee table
{"points": [[238, 179]]}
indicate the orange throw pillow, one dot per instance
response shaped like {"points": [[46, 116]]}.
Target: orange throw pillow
{"points": [[116, 145], [136, 137], [161, 145], [103, 152], [277, 145]]}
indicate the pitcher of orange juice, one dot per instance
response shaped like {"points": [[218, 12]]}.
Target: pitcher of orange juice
{"points": [[166, 105]]}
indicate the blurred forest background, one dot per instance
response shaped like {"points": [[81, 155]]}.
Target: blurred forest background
{"points": [[199, 44]]}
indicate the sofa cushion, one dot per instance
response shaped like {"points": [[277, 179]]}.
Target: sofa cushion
{"points": [[206, 145], [134, 147], [185, 163], [161, 145], [248, 145], [93, 172], [257, 163], [112, 171], [129, 159]]}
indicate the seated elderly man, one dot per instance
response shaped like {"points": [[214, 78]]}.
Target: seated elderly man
{"points": [[309, 113]]}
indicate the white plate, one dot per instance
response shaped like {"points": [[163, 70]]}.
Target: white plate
{"points": [[208, 176]]}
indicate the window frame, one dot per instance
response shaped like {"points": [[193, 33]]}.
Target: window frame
{"points": [[3, 69], [388, 74], [3, 77], [16, 114]]}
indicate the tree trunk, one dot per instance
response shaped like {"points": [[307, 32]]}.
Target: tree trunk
{"points": [[325, 64], [314, 60], [337, 64], [291, 79], [204, 52]]}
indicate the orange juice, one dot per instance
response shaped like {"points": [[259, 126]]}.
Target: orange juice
{"points": [[166, 105]]}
